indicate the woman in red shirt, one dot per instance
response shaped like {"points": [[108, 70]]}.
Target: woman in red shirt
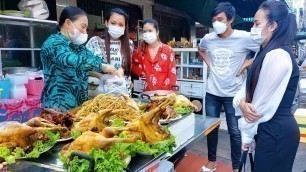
{"points": [[154, 60]]}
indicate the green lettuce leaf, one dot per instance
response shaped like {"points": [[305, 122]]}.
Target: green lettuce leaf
{"points": [[118, 123], [79, 165], [182, 110], [75, 134], [38, 147], [109, 161]]}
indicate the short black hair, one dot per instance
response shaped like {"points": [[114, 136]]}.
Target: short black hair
{"points": [[225, 7]]}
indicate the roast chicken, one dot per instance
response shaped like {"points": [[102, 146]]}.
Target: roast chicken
{"points": [[93, 122], [40, 122], [18, 135], [129, 101], [147, 127], [89, 140]]}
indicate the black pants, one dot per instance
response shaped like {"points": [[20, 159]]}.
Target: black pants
{"points": [[276, 144], [213, 108]]}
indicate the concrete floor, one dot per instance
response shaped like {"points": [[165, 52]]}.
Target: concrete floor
{"points": [[223, 153]]}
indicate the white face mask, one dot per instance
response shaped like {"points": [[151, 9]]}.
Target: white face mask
{"points": [[78, 37], [219, 27], [255, 35], [150, 37], [115, 32]]}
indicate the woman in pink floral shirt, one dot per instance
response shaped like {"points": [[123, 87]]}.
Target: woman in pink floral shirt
{"points": [[154, 60]]}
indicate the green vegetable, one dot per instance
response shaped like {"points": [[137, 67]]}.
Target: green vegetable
{"points": [[79, 165], [4, 151], [118, 123], [27, 13], [75, 134], [18, 152], [141, 103], [38, 147], [141, 146], [109, 161], [182, 110]]}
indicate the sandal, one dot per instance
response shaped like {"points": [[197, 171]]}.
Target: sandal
{"points": [[205, 169]]}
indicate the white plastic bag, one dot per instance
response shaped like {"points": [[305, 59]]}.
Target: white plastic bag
{"points": [[38, 8], [112, 84]]}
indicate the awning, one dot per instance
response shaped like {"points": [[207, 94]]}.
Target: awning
{"points": [[200, 10]]}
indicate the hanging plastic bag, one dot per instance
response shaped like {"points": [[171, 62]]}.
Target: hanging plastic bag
{"points": [[112, 84]]}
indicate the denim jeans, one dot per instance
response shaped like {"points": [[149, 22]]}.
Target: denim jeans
{"points": [[213, 106]]}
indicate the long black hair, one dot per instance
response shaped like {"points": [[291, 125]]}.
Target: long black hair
{"points": [[125, 44], [155, 25], [283, 35], [71, 13]]}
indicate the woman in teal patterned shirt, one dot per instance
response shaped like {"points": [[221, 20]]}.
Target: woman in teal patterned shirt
{"points": [[66, 62]]}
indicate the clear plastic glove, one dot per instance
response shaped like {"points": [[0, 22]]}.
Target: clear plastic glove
{"points": [[109, 69]]}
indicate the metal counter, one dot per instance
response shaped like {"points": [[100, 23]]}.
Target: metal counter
{"points": [[49, 161]]}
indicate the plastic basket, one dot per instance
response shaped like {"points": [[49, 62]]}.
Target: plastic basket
{"points": [[35, 87]]}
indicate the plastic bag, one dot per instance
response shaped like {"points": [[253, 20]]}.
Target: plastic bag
{"points": [[112, 84], [38, 8]]}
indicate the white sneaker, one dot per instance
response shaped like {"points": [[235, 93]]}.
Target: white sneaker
{"points": [[205, 169]]}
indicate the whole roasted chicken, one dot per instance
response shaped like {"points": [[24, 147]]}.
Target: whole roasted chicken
{"points": [[89, 140], [19, 135], [93, 122], [147, 127], [40, 122]]}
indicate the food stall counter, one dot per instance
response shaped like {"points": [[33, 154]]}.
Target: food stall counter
{"points": [[49, 161]]}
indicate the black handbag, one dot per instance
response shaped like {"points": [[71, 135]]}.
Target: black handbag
{"points": [[243, 161]]}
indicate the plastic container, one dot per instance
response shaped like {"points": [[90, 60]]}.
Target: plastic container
{"points": [[18, 79], [165, 166], [1, 93], [5, 85], [300, 117], [35, 87], [17, 89]]}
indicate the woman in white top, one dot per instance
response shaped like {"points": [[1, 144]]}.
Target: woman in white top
{"points": [[116, 48], [265, 103]]}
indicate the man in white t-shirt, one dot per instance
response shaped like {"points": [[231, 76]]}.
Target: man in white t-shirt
{"points": [[224, 51]]}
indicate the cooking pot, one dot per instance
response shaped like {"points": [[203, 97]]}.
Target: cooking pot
{"points": [[147, 96]]}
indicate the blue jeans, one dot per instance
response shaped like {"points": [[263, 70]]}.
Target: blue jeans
{"points": [[213, 106]]}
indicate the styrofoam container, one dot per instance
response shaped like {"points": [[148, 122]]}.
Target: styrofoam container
{"points": [[183, 130], [18, 79]]}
